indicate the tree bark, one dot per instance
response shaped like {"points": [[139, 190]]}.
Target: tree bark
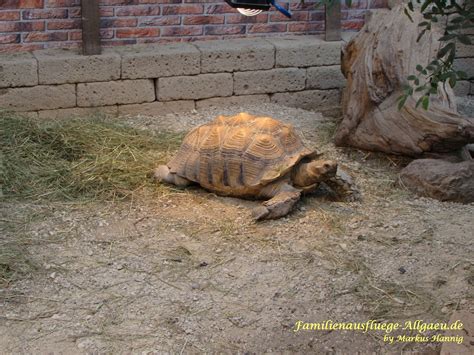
{"points": [[376, 63]]}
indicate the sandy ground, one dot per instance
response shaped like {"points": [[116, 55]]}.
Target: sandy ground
{"points": [[190, 272]]}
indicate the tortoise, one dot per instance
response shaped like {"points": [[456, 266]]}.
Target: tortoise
{"points": [[255, 158]]}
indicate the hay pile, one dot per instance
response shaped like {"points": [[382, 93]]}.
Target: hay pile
{"points": [[78, 158]]}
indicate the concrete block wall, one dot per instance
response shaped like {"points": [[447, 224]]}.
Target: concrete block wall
{"points": [[465, 61], [303, 71]]}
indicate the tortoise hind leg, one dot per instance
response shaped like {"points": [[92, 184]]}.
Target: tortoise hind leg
{"points": [[283, 201], [162, 173]]}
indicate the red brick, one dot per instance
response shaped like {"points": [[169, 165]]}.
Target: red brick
{"points": [[22, 26], [224, 30], [265, 28], [64, 25], [75, 12], [118, 2], [63, 3], [181, 31], [44, 14], [238, 18], [307, 6], [357, 14], [20, 47], [104, 34], [182, 9], [116, 23], [137, 11], [221, 9], [75, 35], [352, 25], [137, 32], [120, 42], [160, 21], [9, 15], [203, 20], [21, 4], [297, 16], [317, 16], [45, 36], [13, 38], [306, 27]]}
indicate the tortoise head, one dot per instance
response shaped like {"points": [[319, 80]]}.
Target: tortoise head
{"points": [[307, 174]]}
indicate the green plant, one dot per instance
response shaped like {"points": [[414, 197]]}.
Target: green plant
{"points": [[458, 15]]}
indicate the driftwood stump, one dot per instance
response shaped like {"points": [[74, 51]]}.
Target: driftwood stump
{"points": [[376, 63]]}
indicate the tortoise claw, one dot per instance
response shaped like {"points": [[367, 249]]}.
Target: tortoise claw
{"points": [[260, 212]]}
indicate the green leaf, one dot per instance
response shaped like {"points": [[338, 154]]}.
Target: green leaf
{"points": [[425, 5], [447, 37], [464, 39], [408, 15], [447, 48], [426, 102], [452, 81], [401, 101], [411, 77], [419, 67]]}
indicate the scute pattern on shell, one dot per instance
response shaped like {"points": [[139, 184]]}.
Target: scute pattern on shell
{"points": [[231, 154]]}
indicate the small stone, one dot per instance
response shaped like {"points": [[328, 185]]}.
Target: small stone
{"points": [[402, 270], [203, 264], [52, 275]]}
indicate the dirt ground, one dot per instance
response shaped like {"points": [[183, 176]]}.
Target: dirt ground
{"points": [[190, 272]]}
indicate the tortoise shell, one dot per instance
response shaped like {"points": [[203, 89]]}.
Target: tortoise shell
{"points": [[238, 155]]}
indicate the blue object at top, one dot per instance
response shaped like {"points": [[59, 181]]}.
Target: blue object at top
{"points": [[280, 8]]}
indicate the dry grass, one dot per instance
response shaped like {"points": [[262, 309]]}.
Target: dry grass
{"points": [[71, 160], [78, 158]]}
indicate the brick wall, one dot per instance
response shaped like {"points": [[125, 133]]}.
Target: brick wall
{"points": [[36, 24]]}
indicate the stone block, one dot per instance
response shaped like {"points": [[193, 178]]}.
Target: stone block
{"points": [[18, 69], [466, 65], [232, 101], [465, 50], [305, 51], [157, 61], [309, 99], [60, 66], [196, 87], [156, 108], [40, 97], [236, 55], [462, 88], [269, 81], [326, 77], [115, 92], [79, 112]]}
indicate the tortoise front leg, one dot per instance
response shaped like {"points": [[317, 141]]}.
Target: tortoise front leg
{"points": [[284, 199], [162, 173], [343, 185]]}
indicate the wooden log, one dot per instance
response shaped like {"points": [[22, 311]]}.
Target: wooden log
{"points": [[376, 63], [333, 21], [90, 27]]}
